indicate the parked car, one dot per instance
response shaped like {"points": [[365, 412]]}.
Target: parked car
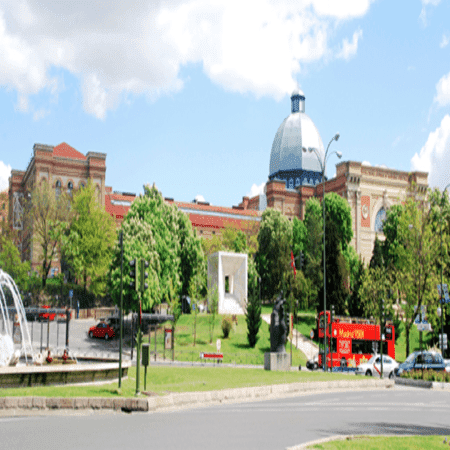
{"points": [[47, 316], [101, 330], [32, 313], [421, 360], [372, 368], [114, 323], [313, 363]]}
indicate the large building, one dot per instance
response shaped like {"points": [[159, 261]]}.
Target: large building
{"points": [[295, 175]]}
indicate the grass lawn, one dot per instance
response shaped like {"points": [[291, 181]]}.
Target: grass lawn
{"points": [[162, 380], [414, 341], [235, 348], [385, 443]]}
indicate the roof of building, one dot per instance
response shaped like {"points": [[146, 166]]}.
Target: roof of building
{"points": [[217, 210], [293, 141], [66, 151], [117, 205]]}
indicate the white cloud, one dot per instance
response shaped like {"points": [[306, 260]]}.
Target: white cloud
{"points": [[5, 173], [443, 91], [349, 48], [445, 41], [199, 198], [423, 12], [434, 156], [366, 163], [256, 190], [40, 114], [118, 51]]}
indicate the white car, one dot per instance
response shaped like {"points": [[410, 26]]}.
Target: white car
{"points": [[373, 367]]}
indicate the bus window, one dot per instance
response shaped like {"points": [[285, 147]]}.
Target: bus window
{"points": [[361, 346]]}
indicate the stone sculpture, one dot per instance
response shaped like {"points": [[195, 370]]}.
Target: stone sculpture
{"points": [[278, 326]]}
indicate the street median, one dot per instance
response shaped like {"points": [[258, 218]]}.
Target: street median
{"points": [[190, 399]]}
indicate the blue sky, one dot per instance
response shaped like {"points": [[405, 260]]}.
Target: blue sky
{"points": [[190, 93]]}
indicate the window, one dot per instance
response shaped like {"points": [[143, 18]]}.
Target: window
{"points": [[297, 181], [69, 187], [291, 183], [379, 220], [58, 188]]}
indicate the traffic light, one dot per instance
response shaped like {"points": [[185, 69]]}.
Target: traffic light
{"points": [[134, 274], [144, 275], [301, 258]]}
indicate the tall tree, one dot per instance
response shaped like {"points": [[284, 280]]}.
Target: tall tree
{"points": [[313, 269], [416, 274], [90, 240], [336, 270], [339, 212], [158, 233], [356, 271], [377, 259], [49, 214], [11, 263], [274, 249], [253, 316]]}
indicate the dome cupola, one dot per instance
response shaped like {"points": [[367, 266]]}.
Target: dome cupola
{"points": [[290, 159]]}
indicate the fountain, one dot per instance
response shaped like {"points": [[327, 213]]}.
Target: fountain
{"points": [[16, 332], [39, 369]]}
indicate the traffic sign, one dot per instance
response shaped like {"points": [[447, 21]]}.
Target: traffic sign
{"points": [[443, 297], [424, 327], [71, 293], [443, 345], [311, 334]]}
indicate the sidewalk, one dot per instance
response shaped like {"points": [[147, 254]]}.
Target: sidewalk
{"points": [[304, 344]]}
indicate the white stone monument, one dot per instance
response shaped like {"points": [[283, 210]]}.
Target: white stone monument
{"points": [[228, 271]]}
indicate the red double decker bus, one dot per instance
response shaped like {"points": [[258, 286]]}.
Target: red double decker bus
{"points": [[353, 340]]}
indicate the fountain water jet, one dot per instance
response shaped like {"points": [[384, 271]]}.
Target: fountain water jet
{"points": [[8, 355]]}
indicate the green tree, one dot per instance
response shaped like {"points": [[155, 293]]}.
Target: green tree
{"points": [[48, 215], [11, 264], [357, 271], [253, 316], [157, 232], [416, 274], [274, 250], [90, 240], [377, 259], [339, 212], [313, 269], [336, 270], [213, 306]]}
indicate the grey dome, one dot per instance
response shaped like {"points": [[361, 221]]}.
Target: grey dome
{"points": [[297, 132]]}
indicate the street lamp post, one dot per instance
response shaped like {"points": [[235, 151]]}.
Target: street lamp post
{"points": [[323, 165], [442, 280]]}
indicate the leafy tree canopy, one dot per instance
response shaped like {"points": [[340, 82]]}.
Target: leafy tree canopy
{"points": [[90, 240]]}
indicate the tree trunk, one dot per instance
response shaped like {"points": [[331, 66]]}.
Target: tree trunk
{"points": [[407, 328]]}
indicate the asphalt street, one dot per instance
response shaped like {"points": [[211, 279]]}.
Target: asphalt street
{"points": [[272, 424]]}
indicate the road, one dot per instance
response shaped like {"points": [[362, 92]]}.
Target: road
{"points": [[263, 425]]}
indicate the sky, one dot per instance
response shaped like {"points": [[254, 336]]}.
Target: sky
{"points": [[189, 94]]}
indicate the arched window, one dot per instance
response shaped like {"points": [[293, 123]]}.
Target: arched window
{"points": [[297, 181], [58, 188], [69, 188], [291, 183], [379, 220]]}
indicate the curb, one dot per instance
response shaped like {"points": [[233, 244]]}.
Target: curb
{"points": [[188, 399], [423, 384]]}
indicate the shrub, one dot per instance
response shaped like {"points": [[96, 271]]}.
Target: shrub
{"points": [[226, 326]]}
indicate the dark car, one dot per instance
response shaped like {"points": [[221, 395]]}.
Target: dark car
{"points": [[421, 360], [101, 330], [32, 313], [313, 363]]}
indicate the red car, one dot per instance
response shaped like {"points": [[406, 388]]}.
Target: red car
{"points": [[101, 330], [47, 316]]}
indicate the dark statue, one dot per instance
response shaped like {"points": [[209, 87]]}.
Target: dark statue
{"points": [[278, 326]]}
